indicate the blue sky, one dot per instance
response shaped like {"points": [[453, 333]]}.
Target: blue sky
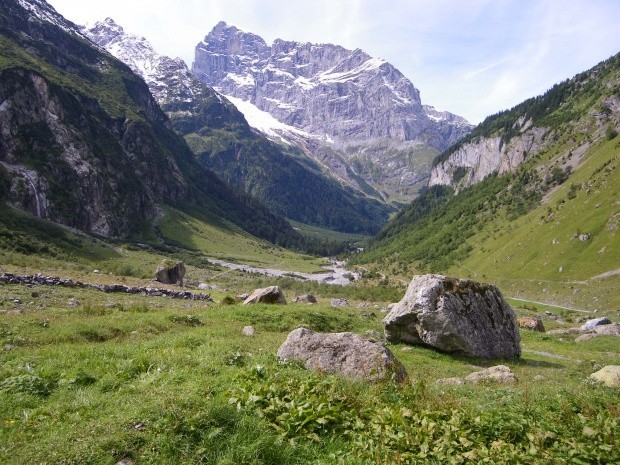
{"points": [[471, 57]]}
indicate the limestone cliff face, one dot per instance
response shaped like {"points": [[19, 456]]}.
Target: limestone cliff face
{"points": [[475, 160], [346, 103]]}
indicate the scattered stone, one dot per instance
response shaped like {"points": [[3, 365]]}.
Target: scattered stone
{"points": [[531, 323], [39, 280], [248, 331], [17, 301], [609, 375], [585, 237], [73, 303], [242, 296], [455, 316], [612, 329], [96, 271], [499, 374], [267, 295], [340, 303], [170, 274], [346, 353], [125, 462], [591, 324], [305, 299]]}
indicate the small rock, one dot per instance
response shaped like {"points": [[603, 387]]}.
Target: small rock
{"points": [[267, 295], [612, 329], [499, 373], [248, 331], [609, 375], [591, 324], [585, 237], [73, 303], [96, 271], [533, 324], [340, 303], [206, 287], [242, 296], [305, 299], [17, 301]]}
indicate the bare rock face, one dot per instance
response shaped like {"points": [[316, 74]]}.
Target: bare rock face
{"points": [[170, 274], [268, 295], [455, 316], [533, 324], [345, 353]]}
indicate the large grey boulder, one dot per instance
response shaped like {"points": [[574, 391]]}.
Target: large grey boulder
{"points": [[170, 274], [591, 324], [267, 295], [455, 316], [345, 353]]}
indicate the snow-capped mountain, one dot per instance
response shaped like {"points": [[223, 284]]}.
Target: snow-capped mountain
{"points": [[218, 133], [348, 100]]}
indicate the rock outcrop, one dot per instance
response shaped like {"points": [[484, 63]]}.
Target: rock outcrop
{"points": [[455, 316], [170, 274], [305, 299], [355, 114], [344, 353], [267, 295]]}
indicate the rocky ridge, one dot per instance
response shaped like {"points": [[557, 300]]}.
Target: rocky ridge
{"points": [[345, 100], [294, 186], [503, 142]]}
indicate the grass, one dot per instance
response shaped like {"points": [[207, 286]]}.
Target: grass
{"points": [[229, 243], [151, 379]]}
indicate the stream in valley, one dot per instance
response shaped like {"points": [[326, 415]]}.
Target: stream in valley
{"points": [[335, 272]]}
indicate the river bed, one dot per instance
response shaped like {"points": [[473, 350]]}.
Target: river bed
{"points": [[335, 272]]}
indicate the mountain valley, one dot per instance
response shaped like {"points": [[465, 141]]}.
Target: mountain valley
{"points": [[315, 174]]}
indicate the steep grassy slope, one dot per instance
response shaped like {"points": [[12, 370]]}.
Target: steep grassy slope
{"points": [[547, 228]]}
